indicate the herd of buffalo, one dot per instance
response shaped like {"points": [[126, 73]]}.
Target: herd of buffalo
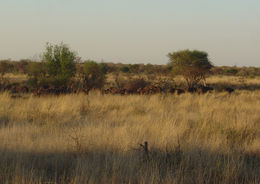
{"points": [[17, 88], [152, 89]]}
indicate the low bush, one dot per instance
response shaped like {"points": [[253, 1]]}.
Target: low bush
{"points": [[134, 84], [93, 75], [124, 69]]}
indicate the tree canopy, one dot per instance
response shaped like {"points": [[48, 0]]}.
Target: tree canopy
{"points": [[192, 65], [59, 60]]}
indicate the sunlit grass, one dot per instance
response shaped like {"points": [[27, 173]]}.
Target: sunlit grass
{"points": [[212, 138]]}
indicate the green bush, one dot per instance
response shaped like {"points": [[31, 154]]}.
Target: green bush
{"points": [[60, 62], [32, 83], [134, 68], [104, 68], [231, 71], [124, 69], [149, 68], [57, 68], [93, 76]]}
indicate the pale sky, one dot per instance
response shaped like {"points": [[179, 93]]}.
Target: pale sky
{"points": [[133, 31]]}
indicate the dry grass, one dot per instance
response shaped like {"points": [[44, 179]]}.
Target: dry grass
{"points": [[16, 77], [213, 138]]}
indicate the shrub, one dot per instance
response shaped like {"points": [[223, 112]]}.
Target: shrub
{"points": [[119, 80], [216, 71], [124, 69], [93, 76], [148, 68], [59, 66], [134, 68], [22, 66], [104, 68], [35, 70], [56, 70], [231, 71], [134, 84], [37, 76], [54, 81]]}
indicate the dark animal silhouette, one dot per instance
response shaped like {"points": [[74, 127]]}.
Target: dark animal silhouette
{"points": [[229, 90], [204, 89]]}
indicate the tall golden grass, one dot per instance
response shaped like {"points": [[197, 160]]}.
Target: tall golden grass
{"points": [[211, 138]]}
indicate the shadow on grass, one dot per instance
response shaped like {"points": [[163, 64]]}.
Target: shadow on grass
{"points": [[135, 166], [249, 87]]}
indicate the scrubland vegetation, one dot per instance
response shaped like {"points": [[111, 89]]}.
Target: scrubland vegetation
{"points": [[62, 72], [63, 121]]}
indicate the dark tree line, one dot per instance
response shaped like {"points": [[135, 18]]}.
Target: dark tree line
{"points": [[60, 67]]}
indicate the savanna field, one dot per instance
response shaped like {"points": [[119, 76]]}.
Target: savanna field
{"points": [[129, 92], [97, 138]]}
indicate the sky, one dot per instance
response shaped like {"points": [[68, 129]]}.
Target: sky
{"points": [[133, 31]]}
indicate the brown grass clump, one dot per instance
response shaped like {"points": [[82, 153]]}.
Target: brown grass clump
{"points": [[211, 138]]}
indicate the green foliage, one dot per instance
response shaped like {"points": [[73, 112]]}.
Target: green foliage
{"points": [[104, 68], [192, 65], [124, 69], [231, 71], [93, 76], [134, 68], [59, 66], [60, 61], [149, 68], [32, 83]]}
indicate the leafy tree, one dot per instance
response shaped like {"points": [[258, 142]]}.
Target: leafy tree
{"points": [[93, 76], [192, 65], [60, 62]]}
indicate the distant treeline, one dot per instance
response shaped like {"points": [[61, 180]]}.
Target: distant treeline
{"points": [[25, 66]]}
